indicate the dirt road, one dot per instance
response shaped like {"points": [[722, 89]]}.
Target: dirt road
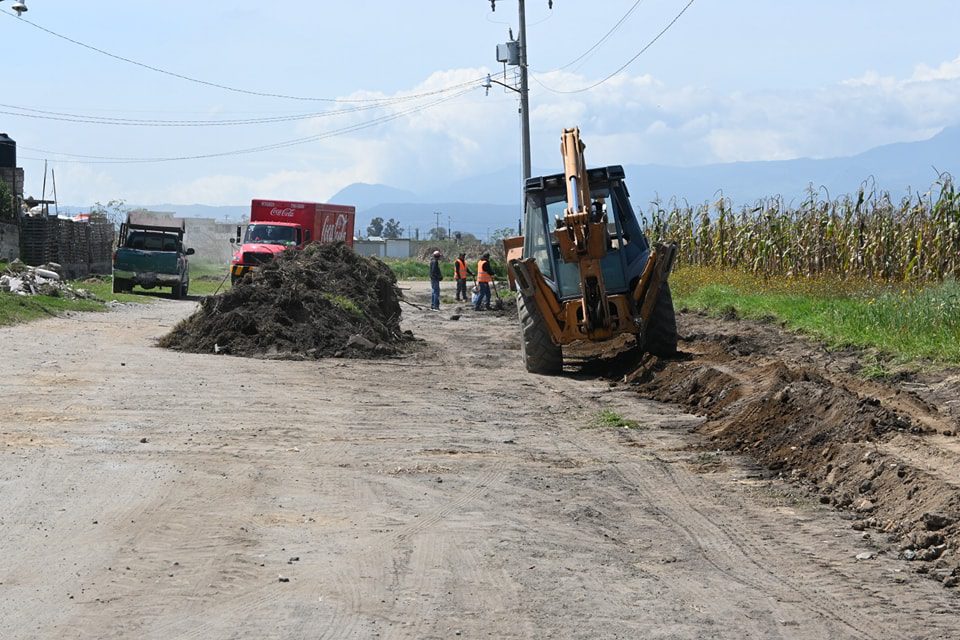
{"points": [[152, 494]]}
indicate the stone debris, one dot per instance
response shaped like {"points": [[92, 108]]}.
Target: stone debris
{"points": [[45, 280]]}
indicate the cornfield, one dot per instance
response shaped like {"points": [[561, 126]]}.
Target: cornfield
{"points": [[868, 236]]}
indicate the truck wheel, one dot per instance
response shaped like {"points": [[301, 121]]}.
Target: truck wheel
{"points": [[120, 286], [539, 353], [661, 335], [186, 288], [177, 291]]}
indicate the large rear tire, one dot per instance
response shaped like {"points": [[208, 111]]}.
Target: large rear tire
{"points": [[539, 353], [176, 291], [121, 286], [661, 336]]}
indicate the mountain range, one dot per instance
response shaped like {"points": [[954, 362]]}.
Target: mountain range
{"points": [[483, 203]]}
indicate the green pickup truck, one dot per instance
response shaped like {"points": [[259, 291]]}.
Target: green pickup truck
{"points": [[150, 254]]}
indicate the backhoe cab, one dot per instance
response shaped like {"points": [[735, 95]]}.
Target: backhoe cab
{"points": [[584, 270]]}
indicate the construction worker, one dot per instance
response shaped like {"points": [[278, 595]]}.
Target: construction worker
{"points": [[460, 274], [484, 278], [435, 277]]}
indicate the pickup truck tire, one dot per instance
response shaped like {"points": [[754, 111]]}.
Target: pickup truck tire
{"points": [[121, 286], [539, 353], [186, 288], [661, 335], [177, 291]]}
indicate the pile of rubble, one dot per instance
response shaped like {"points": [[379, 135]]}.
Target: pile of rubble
{"points": [[322, 301], [45, 280]]}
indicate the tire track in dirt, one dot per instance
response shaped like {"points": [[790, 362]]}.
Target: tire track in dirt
{"points": [[726, 551], [679, 497]]}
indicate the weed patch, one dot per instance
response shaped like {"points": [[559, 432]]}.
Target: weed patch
{"points": [[608, 419]]}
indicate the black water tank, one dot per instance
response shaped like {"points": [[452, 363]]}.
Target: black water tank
{"points": [[8, 152]]}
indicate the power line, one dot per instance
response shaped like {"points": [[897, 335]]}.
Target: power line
{"points": [[605, 37], [215, 85], [628, 62], [29, 112], [87, 159]]}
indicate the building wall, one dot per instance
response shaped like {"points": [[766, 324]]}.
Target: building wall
{"points": [[9, 242], [370, 249], [210, 239], [398, 248]]}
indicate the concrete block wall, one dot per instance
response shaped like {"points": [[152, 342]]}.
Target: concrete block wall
{"points": [[9, 242]]}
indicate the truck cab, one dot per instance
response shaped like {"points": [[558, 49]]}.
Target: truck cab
{"points": [[261, 241]]}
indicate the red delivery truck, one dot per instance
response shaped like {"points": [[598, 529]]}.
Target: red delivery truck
{"points": [[277, 225]]}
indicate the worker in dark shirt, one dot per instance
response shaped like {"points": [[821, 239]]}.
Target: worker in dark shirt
{"points": [[435, 277]]}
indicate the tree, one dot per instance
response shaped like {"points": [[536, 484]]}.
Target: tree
{"points": [[115, 211], [375, 228], [438, 233], [392, 229], [500, 234]]}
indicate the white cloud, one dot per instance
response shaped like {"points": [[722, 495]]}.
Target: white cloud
{"points": [[946, 71], [629, 119]]}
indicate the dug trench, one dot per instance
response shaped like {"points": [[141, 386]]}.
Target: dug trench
{"points": [[885, 453]]}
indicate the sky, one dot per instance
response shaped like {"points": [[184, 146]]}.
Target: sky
{"points": [[393, 89]]}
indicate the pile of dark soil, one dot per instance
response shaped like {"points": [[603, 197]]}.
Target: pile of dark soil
{"points": [[877, 451], [322, 301]]}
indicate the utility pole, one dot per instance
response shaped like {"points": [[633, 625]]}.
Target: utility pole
{"points": [[437, 228], [449, 228], [524, 94], [524, 90]]}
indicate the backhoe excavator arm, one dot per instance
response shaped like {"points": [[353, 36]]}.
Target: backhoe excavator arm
{"points": [[583, 238]]}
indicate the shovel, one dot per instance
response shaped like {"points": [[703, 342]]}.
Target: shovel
{"points": [[498, 305]]}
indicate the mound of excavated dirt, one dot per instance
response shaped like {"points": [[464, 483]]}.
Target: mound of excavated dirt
{"points": [[322, 301], [886, 453]]}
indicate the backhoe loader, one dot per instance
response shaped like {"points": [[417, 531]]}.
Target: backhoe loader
{"points": [[583, 269]]}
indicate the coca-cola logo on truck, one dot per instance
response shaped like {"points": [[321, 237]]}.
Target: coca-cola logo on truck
{"points": [[281, 213], [335, 228]]}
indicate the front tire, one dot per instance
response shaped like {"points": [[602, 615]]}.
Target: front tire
{"points": [[661, 336], [539, 353]]}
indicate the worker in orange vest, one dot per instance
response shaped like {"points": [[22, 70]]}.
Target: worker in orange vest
{"points": [[484, 278], [460, 273]]}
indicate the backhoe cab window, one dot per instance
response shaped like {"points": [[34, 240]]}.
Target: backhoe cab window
{"points": [[537, 245], [271, 234], [626, 239]]}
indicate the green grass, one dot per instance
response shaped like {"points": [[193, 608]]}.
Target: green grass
{"points": [[204, 280], [15, 309], [904, 322], [410, 268], [208, 271], [344, 303], [613, 420]]}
